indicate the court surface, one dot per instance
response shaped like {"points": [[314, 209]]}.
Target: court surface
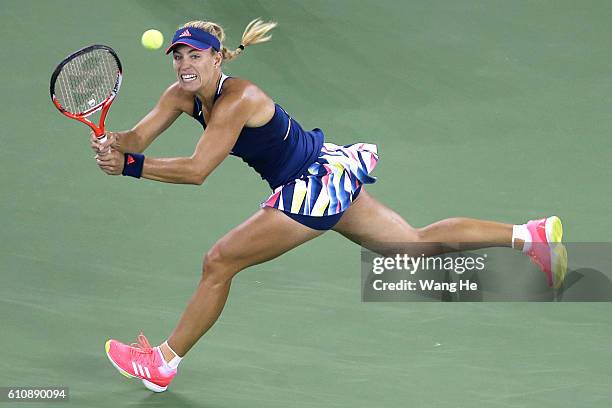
{"points": [[487, 109]]}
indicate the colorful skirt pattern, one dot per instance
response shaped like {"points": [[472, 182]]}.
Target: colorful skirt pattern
{"points": [[328, 186]]}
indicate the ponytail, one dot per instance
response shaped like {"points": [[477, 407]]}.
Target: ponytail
{"points": [[255, 32]]}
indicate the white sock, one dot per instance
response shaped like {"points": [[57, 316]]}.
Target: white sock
{"points": [[176, 360], [521, 232]]}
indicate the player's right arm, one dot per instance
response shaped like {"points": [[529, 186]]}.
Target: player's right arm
{"points": [[136, 140]]}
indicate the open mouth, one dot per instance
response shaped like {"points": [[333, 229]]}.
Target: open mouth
{"points": [[188, 77]]}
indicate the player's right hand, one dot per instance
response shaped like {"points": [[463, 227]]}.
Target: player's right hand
{"points": [[102, 148]]}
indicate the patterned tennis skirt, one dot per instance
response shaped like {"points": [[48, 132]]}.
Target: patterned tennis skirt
{"points": [[328, 186]]}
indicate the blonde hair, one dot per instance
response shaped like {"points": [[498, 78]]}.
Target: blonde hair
{"points": [[254, 33]]}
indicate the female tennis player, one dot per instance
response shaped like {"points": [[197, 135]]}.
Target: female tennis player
{"points": [[316, 186]]}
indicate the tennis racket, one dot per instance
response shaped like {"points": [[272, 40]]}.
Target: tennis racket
{"points": [[86, 82]]}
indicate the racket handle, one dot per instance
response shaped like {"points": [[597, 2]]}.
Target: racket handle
{"points": [[102, 139]]}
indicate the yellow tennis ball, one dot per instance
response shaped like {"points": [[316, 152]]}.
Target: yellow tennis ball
{"points": [[152, 39]]}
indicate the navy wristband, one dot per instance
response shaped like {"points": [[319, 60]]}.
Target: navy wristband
{"points": [[132, 164]]}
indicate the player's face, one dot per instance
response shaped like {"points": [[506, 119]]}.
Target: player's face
{"points": [[194, 68]]}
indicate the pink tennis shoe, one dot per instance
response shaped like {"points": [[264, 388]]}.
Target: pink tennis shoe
{"points": [[546, 250], [140, 361]]}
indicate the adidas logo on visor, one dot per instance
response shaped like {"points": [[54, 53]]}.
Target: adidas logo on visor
{"points": [[185, 33]]}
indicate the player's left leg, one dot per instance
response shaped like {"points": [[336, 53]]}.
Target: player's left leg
{"points": [[374, 226]]}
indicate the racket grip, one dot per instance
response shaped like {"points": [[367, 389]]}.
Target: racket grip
{"points": [[102, 139]]}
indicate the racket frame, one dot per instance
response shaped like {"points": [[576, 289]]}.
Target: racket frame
{"points": [[104, 105]]}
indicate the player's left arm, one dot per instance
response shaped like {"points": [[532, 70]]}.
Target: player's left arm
{"points": [[229, 115]]}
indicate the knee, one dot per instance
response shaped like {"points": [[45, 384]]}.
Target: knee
{"points": [[434, 232], [420, 234], [217, 268]]}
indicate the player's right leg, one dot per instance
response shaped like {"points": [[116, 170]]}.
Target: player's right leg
{"points": [[266, 235]]}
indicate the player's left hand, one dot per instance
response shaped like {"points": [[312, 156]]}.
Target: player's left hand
{"points": [[111, 163]]}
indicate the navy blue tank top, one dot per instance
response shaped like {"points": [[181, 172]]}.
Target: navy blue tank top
{"points": [[279, 151]]}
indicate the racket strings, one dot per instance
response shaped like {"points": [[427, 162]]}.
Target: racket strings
{"points": [[86, 81]]}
